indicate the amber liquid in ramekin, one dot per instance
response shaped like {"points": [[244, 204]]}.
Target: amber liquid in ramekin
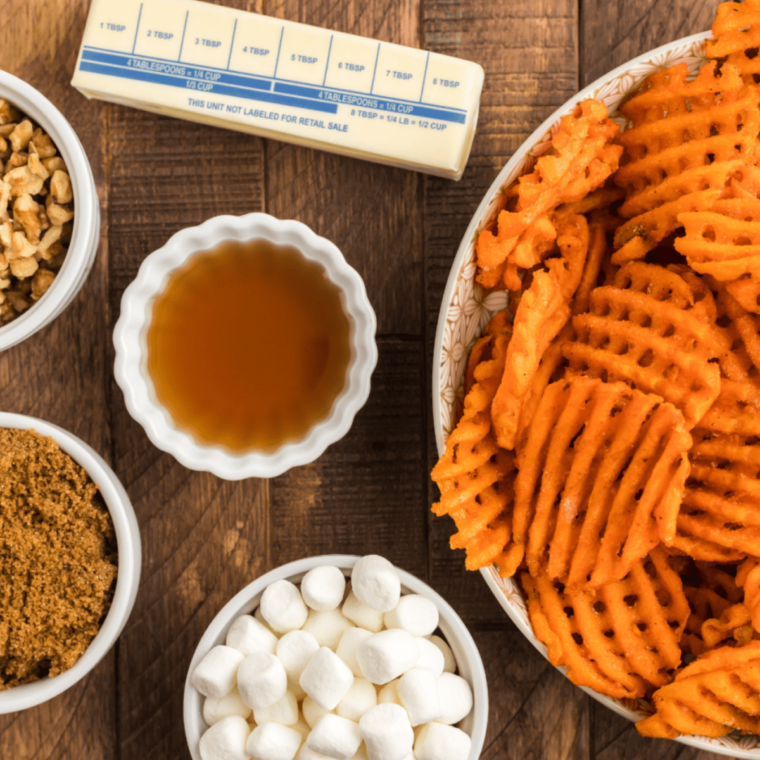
{"points": [[248, 346]]}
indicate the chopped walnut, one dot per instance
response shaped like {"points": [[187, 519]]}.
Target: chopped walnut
{"points": [[36, 212]]}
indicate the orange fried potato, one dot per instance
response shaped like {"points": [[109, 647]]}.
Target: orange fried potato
{"points": [[683, 142], [619, 640], [652, 328], [746, 292], [716, 694], [736, 30], [473, 474], [600, 478], [582, 160], [748, 578]]}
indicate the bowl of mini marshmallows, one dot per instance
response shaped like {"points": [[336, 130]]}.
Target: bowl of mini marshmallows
{"points": [[339, 657]]}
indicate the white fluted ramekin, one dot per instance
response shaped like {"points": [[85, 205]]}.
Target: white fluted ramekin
{"points": [[130, 340], [128, 573], [469, 662], [86, 230]]}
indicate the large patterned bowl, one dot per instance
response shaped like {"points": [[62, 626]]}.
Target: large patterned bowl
{"points": [[466, 309]]}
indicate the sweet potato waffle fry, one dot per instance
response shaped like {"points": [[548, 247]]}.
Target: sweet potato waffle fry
{"points": [[683, 142], [713, 696], [736, 30], [473, 474], [619, 641], [608, 456], [582, 160], [648, 329], [600, 479]]}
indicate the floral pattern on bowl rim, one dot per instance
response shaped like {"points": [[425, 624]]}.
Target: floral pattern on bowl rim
{"points": [[466, 309]]}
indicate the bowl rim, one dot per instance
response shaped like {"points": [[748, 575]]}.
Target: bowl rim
{"points": [[127, 531], [131, 346], [703, 743], [85, 235], [449, 619]]}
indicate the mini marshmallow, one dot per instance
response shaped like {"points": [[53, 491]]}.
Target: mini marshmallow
{"points": [[349, 643], [230, 704], [313, 712], [455, 696], [326, 678], [216, 674], [302, 728], [362, 615], [387, 655], [437, 741], [449, 662], [225, 740], [284, 711], [262, 680], [257, 614], [306, 753], [387, 733], [415, 614], [283, 608], [248, 635], [322, 588], [297, 689], [273, 741], [375, 582], [335, 737], [418, 692], [389, 694], [294, 650], [357, 700], [431, 657], [327, 627]]}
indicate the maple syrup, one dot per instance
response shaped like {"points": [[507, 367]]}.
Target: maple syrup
{"points": [[248, 346]]}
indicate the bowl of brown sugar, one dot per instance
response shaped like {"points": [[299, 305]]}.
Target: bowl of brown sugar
{"points": [[69, 560]]}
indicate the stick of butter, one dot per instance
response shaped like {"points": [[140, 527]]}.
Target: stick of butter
{"points": [[292, 82]]}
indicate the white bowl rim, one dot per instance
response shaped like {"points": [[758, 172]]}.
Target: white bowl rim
{"points": [[449, 618], [129, 565], [131, 348], [86, 228], [448, 294]]}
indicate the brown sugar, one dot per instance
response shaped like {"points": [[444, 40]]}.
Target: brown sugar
{"points": [[58, 559]]}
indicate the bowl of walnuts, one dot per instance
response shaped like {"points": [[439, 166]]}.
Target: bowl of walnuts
{"points": [[49, 212]]}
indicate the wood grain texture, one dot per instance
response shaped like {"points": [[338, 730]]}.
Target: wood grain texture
{"points": [[614, 31]]}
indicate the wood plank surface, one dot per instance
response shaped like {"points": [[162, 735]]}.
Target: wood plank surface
{"points": [[203, 538]]}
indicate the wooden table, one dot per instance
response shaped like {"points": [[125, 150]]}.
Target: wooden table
{"points": [[204, 538]]}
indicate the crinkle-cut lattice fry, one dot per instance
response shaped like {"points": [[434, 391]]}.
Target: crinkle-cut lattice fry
{"points": [[733, 624], [748, 578], [651, 328], [473, 475], [582, 160], [600, 476], [721, 503], [736, 30], [685, 140], [716, 694], [746, 292], [738, 336], [619, 639], [542, 313], [724, 241], [705, 603]]}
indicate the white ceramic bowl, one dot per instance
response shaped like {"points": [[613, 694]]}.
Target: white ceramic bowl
{"points": [[128, 578], [130, 339], [466, 309], [469, 663], [86, 231]]}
